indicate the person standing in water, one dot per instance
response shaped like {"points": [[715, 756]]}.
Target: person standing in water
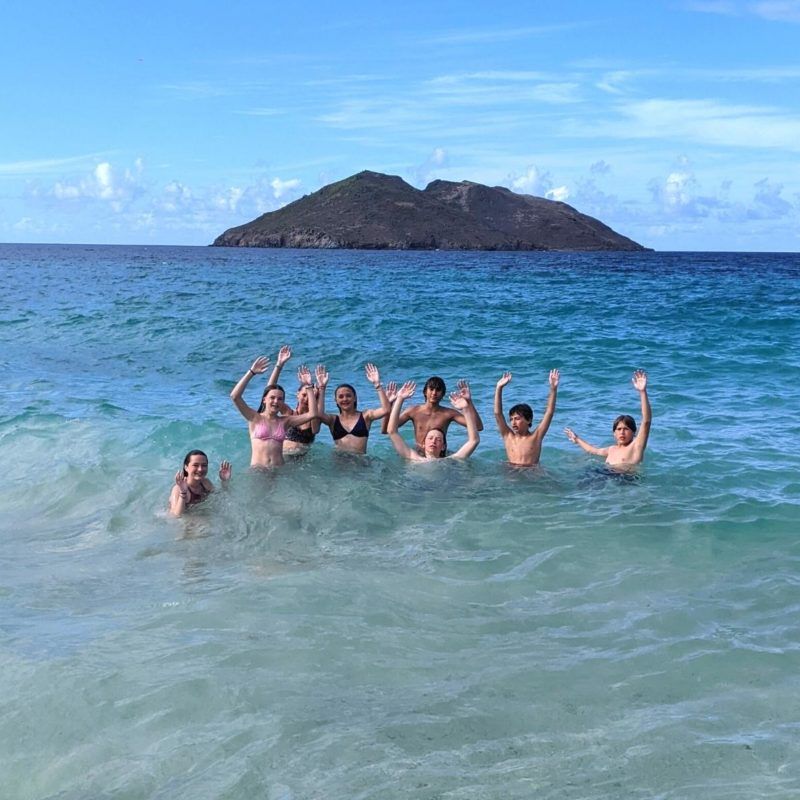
{"points": [[431, 415], [629, 446], [434, 442], [299, 439], [192, 485], [523, 446], [350, 427], [267, 425]]}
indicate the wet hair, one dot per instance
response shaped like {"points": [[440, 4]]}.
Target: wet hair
{"points": [[346, 386], [266, 392], [443, 451], [629, 421], [188, 458], [434, 382], [523, 409]]}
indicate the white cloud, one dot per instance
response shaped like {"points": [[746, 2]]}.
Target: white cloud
{"points": [[44, 165], [175, 196], [725, 7], [262, 112], [778, 10], [533, 181], [485, 35], [612, 82], [104, 184], [430, 168], [768, 200], [560, 193], [280, 188], [772, 10], [700, 121]]}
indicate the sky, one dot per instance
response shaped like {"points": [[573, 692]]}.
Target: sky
{"points": [[676, 123]]}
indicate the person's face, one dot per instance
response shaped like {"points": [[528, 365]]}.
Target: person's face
{"points": [[273, 402], [197, 467], [302, 398], [434, 395], [518, 423], [345, 398], [434, 443], [623, 435]]}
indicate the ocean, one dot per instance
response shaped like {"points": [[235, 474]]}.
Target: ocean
{"points": [[363, 628]]}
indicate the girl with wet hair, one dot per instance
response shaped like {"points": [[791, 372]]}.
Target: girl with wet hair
{"points": [[192, 485]]}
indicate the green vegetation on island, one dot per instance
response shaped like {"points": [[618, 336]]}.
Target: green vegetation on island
{"points": [[373, 211]]}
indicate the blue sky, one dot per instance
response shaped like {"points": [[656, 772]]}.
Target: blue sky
{"points": [[677, 123]]}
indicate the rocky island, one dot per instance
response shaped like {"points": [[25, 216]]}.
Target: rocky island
{"points": [[383, 212]]}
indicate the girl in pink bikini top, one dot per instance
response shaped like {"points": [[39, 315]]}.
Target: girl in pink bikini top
{"points": [[268, 424]]}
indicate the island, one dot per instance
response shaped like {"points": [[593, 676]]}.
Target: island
{"points": [[374, 211]]}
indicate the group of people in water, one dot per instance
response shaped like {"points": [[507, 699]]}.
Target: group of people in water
{"points": [[276, 430]]}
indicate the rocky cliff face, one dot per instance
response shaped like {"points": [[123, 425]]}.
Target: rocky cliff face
{"points": [[374, 211]]}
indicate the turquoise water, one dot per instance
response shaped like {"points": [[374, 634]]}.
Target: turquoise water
{"points": [[359, 628]]}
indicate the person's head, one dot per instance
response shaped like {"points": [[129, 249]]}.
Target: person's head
{"points": [[434, 443], [434, 389], [520, 417], [274, 398], [195, 464], [345, 397], [624, 429], [302, 399]]}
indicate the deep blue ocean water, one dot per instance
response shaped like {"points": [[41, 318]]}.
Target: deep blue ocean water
{"points": [[358, 628]]}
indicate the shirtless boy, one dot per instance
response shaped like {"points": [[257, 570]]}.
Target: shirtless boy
{"points": [[628, 450], [523, 445], [431, 415]]}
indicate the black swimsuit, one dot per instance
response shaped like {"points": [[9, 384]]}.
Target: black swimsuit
{"points": [[300, 435], [360, 429]]}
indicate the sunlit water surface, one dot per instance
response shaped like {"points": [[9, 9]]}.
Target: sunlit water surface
{"points": [[361, 628]]}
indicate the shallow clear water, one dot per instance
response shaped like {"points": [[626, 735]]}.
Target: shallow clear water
{"points": [[359, 628]]}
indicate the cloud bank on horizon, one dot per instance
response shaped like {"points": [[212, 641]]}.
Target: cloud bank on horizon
{"points": [[678, 125]]}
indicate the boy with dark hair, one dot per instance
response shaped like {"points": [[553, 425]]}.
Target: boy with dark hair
{"points": [[524, 446], [629, 446], [431, 415]]}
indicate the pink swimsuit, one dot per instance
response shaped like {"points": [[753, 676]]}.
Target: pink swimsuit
{"points": [[265, 433]]}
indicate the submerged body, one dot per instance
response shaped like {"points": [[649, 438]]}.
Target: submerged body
{"points": [[192, 485], [523, 445], [267, 426], [627, 452], [350, 427], [433, 445], [431, 415]]}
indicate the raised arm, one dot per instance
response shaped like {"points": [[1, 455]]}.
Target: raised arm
{"points": [[550, 408], [462, 400], [584, 445], [304, 379], [322, 385], [639, 381], [284, 354], [460, 418], [403, 450], [499, 417], [294, 420], [258, 367], [374, 377], [179, 496], [391, 396]]}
